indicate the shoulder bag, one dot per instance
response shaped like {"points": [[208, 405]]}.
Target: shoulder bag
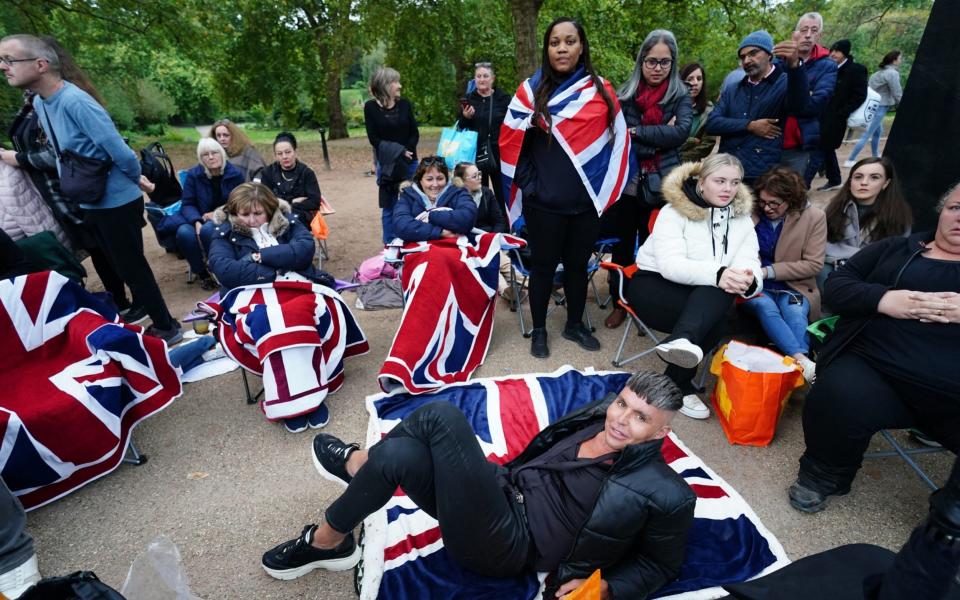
{"points": [[82, 178], [486, 160]]}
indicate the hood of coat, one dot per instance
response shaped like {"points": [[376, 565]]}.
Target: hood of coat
{"points": [[674, 193], [277, 226], [423, 197]]}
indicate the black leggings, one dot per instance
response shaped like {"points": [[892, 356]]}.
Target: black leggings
{"points": [[850, 402], [697, 313], [118, 233], [112, 282], [433, 454], [554, 239]]}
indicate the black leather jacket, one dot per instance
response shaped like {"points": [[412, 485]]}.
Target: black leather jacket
{"points": [[637, 531]]}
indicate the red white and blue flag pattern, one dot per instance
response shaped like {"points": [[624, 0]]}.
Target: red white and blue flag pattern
{"points": [[403, 554], [75, 382], [295, 335], [580, 125], [450, 291]]}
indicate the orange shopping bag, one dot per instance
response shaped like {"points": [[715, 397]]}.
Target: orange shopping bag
{"points": [[319, 226], [589, 590], [753, 385]]}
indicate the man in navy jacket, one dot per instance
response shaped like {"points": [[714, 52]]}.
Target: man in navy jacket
{"points": [[749, 116]]}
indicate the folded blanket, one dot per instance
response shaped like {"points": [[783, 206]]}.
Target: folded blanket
{"points": [[295, 335], [450, 288], [403, 554], [76, 381]]}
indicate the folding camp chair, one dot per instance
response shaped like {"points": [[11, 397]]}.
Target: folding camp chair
{"points": [[132, 456], [519, 275], [600, 249], [906, 454], [625, 274]]}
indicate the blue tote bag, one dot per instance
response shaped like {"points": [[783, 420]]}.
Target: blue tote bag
{"points": [[457, 145]]}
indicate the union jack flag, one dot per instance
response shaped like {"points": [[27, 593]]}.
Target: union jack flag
{"points": [[75, 384], [450, 288], [579, 125], [296, 335], [403, 554]]}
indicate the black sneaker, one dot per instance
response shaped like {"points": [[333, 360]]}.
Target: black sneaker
{"points": [[578, 332], [330, 456], [171, 336], [135, 314], [208, 283], [297, 557], [809, 500], [538, 343]]}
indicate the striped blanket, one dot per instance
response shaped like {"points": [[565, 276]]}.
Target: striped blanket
{"points": [[403, 554], [76, 382], [579, 125], [450, 291], [294, 334]]}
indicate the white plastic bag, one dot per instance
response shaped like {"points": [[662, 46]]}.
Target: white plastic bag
{"points": [[866, 111], [157, 574]]}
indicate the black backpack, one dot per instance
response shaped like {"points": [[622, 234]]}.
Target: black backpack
{"points": [[156, 165]]}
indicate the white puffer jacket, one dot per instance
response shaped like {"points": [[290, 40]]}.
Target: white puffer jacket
{"points": [[689, 243], [22, 210]]}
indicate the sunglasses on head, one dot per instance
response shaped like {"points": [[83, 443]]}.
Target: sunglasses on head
{"points": [[433, 160]]}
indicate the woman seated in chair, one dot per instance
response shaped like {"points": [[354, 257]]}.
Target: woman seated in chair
{"points": [[258, 241], [892, 360], [868, 208], [291, 180], [206, 189], [431, 208], [701, 255], [489, 212], [792, 235], [240, 150]]}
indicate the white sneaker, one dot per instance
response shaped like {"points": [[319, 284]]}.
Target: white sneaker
{"points": [[16, 582], [694, 407], [848, 163], [809, 369], [681, 352]]}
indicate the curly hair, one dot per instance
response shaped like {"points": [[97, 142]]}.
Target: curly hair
{"points": [[238, 139], [784, 184]]}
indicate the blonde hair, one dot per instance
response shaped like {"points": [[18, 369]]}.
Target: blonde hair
{"points": [[380, 83], [238, 139], [210, 145], [715, 162], [247, 195]]}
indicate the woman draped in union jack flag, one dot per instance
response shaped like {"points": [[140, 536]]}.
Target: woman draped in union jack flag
{"points": [[565, 153]]}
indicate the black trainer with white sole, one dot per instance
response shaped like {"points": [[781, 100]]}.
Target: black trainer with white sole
{"points": [[296, 557], [330, 456]]}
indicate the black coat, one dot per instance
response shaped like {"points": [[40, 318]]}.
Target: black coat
{"points": [[487, 125], [299, 182], [637, 531], [663, 139], [849, 94]]}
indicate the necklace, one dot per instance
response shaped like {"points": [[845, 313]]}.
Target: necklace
{"points": [[285, 178]]}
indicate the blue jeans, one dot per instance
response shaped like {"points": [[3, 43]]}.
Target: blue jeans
{"points": [[873, 133], [190, 247], [784, 322]]}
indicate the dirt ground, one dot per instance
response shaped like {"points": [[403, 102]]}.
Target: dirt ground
{"points": [[260, 487]]}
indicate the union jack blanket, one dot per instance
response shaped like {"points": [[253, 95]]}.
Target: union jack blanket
{"points": [[295, 335], [403, 554], [75, 381], [579, 125], [450, 290]]}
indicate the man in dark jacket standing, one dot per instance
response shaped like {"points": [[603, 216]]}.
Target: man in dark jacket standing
{"points": [[801, 132], [849, 94], [749, 116], [591, 490]]}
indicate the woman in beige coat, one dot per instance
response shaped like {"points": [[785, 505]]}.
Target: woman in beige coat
{"points": [[792, 236]]}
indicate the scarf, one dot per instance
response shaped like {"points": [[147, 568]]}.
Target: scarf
{"points": [[651, 113]]}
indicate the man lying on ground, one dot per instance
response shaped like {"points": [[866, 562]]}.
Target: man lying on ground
{"points": [[590, 491]]}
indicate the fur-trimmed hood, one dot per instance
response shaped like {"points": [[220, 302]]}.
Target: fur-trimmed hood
{"points": [[279, 223], [674, 194]]}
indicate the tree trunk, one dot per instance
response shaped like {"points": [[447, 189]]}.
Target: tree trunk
{"points": [[525, 14], [336, 123]]}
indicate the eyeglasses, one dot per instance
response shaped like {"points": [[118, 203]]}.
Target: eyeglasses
{"points": [[653, 63], [750, 54], [477, 176], [770, 203], [11, 61], [433, 160]]}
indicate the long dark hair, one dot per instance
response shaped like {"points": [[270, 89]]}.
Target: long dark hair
{"points": [[700, 102], [550, 80], [70, 71], [889, 57], [890, 215]]}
